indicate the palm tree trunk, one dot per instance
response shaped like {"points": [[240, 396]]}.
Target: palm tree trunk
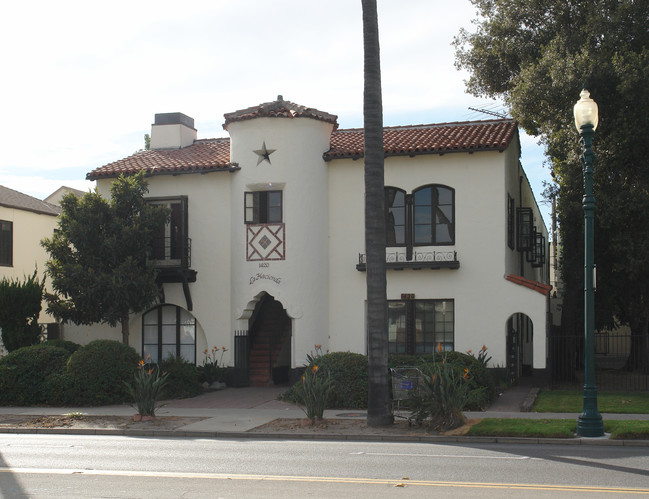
{"points": [[378, 410]]}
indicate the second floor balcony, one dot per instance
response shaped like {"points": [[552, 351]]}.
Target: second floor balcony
{"points": [[171, 252], [397, 260]]}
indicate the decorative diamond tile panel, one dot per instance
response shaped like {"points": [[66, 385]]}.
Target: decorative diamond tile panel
{"points": [[265, 242]]}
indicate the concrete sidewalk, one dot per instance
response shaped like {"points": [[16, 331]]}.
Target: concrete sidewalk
{"points": [[234, 411]]}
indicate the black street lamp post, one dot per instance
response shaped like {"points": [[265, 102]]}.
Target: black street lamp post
{"points": [[589, 423]]}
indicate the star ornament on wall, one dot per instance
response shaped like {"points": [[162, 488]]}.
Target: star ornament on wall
{"points": [[264, 153]]}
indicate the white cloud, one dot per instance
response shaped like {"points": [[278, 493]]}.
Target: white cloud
{"points": [[41, 187], [82, 80]]}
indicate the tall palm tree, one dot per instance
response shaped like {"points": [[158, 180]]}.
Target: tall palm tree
{"points": [[378, 411]]}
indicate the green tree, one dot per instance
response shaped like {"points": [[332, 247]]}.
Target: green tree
{"points": [[98, 255], [537, 55], [20, 306], [378, 410]]}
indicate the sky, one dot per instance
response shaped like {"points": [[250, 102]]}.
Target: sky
{"points": [[83, 80]]}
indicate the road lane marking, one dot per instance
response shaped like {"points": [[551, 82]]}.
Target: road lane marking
{"points": [[45, 446], [452, 456], [316, 479]]}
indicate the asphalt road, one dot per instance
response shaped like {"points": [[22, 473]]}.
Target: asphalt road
{"points": [[49, 466]]}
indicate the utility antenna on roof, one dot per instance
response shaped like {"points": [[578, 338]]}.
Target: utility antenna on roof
{"points": [[487, 111]]}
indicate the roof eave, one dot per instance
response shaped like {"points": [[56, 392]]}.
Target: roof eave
{"points": [[439, 152], [149, 172], [31, 210]]}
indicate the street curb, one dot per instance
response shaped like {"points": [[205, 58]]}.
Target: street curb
{"points": [[432, 439], [526, 405]]}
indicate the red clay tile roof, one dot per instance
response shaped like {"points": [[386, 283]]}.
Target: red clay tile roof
{"points": [[214, 154], [279, 109], [539, 287], [202, 156], [428, 139]]}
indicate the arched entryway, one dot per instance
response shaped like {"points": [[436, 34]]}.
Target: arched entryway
{"points": [[520, 346], [269, 330]]}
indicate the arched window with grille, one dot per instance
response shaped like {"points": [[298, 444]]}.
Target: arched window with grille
{"points": [[169, 330], [424, 218]]}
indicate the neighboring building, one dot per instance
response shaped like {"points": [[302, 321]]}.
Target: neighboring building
{"points": [[265, 244], [57, 195], [24, 221]]}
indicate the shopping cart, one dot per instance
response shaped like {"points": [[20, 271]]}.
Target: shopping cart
{"points": [[405, 381]]}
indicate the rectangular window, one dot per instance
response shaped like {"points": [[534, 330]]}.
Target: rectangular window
{"points": [[262, 207], [419, 326], [397, 330], [171, 245], [536, 256], [6, 243], [525, 229], [511, 224]]}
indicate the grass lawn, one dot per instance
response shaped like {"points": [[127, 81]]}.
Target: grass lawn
{"points": [[549, 428], [607, 402], [554, 428], [627, 429]]}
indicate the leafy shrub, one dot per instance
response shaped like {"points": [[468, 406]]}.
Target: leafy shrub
{"points": [[59, 390], [20, 305], [482, 388], [348, 373], [406, 360], [70, 346], [212, 369], [440, 396], [18, 336], [313, 390], [147, 388], [23, 373], [99, 370], [483, 357], [183, 380]]}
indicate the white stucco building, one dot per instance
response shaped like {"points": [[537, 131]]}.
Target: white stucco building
{"points": [[24, 221], [264, 252]]}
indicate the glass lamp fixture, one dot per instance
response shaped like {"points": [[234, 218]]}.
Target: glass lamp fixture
{"points": [[585, 111]]}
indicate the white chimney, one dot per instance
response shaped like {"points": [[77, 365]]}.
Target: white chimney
{"points": [[172, 131]]}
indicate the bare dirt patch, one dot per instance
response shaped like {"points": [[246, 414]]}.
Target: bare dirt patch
{"points": [[352, 427], [95, 422], [283, 426]]}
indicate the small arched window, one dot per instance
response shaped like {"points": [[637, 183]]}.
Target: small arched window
{"points": [[169, 330]]}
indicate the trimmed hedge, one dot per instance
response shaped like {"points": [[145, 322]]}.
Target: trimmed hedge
{"points": [[23, 373], [183, 380], [349, 374], [70, 346], [93, 374], [98, 371], [59, 389]]}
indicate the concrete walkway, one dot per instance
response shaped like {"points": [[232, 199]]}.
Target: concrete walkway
{"points": [[234, 411]]}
